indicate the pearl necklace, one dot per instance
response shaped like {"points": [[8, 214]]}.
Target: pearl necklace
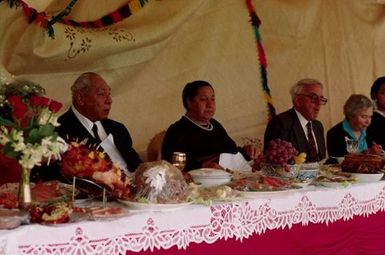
{"points": [[209, 126]]}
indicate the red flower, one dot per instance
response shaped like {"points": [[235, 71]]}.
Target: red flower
{"points": [[18, 106], [34, 100], [54, 106], [44, 101], [14, 100], [38, 101]]}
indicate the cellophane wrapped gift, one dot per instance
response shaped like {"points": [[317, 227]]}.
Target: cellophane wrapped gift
{"points": [[160, 182]]}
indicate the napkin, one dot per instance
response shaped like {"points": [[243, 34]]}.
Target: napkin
{"points": [[109, 147], [234, 161]]}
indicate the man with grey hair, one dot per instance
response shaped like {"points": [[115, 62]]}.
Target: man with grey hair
{"points": [[87, 119], [298, 125]]}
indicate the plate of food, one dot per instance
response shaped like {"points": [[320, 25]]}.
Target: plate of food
{"points": [[42, 192], [364, 167], [153, 206], [51, 214], [257, 183], [206, 196], [334, 179], [51, 191]]}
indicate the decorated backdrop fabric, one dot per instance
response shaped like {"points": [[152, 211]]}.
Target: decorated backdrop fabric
{"points": [[149, 56]]}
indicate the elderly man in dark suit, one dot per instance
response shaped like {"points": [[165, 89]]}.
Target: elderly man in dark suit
{"points": [[87, 119], [298, 125]]}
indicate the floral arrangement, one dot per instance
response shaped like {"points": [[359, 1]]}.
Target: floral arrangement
{"points": [[27, 124]]}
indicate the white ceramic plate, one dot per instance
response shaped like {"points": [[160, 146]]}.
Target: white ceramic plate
{"points": [[256, 194], [368, 177], [334, 184], [154, 207]]}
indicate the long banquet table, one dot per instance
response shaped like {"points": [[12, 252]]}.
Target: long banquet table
{"points": [[313, 220]]}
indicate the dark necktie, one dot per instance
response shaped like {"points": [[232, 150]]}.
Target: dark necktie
{"points": [[313, 154], [96, 135]]}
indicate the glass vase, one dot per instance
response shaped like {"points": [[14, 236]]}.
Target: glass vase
{"points": [[24, 196]]}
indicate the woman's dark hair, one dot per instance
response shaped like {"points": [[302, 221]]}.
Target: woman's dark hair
{"points": [[191, 90], [376, 86]]}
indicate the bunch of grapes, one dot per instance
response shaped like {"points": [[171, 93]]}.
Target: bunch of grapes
{"points": [[280, 152]]}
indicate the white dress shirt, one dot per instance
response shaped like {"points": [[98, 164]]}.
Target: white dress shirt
{"points": [[107, 144], [304, 122]]}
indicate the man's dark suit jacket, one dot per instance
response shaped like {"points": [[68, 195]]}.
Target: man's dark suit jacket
{"points": [[70, 129], [286, 126]]}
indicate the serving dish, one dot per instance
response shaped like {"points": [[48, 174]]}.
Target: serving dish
{"points": [[210, 177]]}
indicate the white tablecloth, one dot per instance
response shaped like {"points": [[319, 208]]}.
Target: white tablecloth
{"points": [[146, 230]]}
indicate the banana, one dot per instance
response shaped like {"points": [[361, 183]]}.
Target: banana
{"points": [[300, 158]]}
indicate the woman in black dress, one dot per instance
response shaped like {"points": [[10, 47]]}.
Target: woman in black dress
{"points": [[197, 134]]}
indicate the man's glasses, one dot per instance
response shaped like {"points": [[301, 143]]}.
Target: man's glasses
{"points": [[315, 98]]}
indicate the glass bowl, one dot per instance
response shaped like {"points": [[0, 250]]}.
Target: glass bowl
{"points": [[275, 170]]}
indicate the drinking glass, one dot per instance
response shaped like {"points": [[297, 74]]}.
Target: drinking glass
{"points": [[351, 145], [179, 160]]}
